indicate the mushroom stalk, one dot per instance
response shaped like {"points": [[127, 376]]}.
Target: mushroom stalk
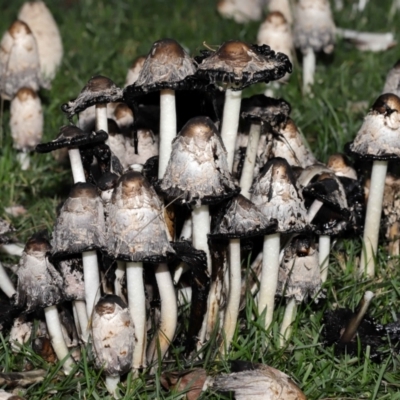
{"points": [[119, 276], [91, 278], [324, 249], [373, 218], [169, 314], [101, 117], [5, 283], [288, 318], [314, 208], [230, 122], [75, 159], [269, 276], [57, 339], [167, 128], [12, 249], [137, 307], [235, 283], [354, 323], [112, 385], [79, 307], [309, 62], [249, 162]]}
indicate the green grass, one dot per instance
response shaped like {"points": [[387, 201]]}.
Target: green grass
{"points": [[104, 37]]}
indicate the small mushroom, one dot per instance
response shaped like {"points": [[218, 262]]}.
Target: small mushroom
{"points": [[241, 11], [134, 70], [113, 340], [377, 140]]}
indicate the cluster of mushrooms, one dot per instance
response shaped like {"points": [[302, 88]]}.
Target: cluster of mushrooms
{"points": [[177, 180]]}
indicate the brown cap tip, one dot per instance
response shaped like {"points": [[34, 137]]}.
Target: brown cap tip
{"points": [[235, 50], [19, 28], [386, 104], [132, 183], [167, 48], [37, 243], [338, 161], [99, 83], [25, 94], [276, 18], [83, 189], [199, 127]]}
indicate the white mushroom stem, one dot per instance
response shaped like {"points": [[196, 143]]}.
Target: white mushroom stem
{"points": [[288, 318], [180, 269], [119, 277], [184, 296], [354, 323], [186, 233], [167, 128], [5, 282], [250, 160], [324, 249], [313, 210], [137, 307], [24, 160], [81, 313], [12, 249], [373, 219], [230, 122], [309, 62], [101, 117], [75, 159], [57, 340], [112, 385], [235, 283], [201, 228], [169, 314], [91, 279], [269, 276], [362, 4]]}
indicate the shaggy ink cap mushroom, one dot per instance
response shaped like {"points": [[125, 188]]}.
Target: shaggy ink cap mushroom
{"points": [[341, 166], [197, 171], [19, 61], [241, 219], [378, 137], [80, 225], [236, 65], [71, 270], [167, 66], [113, 336], [98, 90], [39, 283], [275, 193], [136, 229], [71, 136]]}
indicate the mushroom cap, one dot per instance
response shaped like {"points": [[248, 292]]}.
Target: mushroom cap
{"points": [[379, 135], [5, 229], [392, 83], [98, 90], [262, 108], [39, 283], [275, 193], [241, 11], [113, 336], [71, 270], [288, 143], [236, 65], [341, 166], [71, 136], [136, 229], [258, 382], [134, 70], [80, 225], [241, 219], [47, 35], [299, 271], [313, 26], [26, 119], [197, 170], [167, 66], [19, 61]]}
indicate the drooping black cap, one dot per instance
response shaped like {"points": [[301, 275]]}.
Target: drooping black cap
{"points": [[379, 135], [241, 219], [236, 65], [136, 229], [99, 89], [80, 225], [71, 136], [197, 170]]}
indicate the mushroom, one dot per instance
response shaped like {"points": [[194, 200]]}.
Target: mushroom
{"points": [[136, 233], [377, 140], [282, 6], [313, 31], [240, 219], [40, 286], [232, 67], [275, 193], [26, 123], [48, 39], [134, 70], [392, 82], [299, 278], [241, 11], [113, 340], [167, 68], [198, 174], [258, 382], [19, 61]]}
